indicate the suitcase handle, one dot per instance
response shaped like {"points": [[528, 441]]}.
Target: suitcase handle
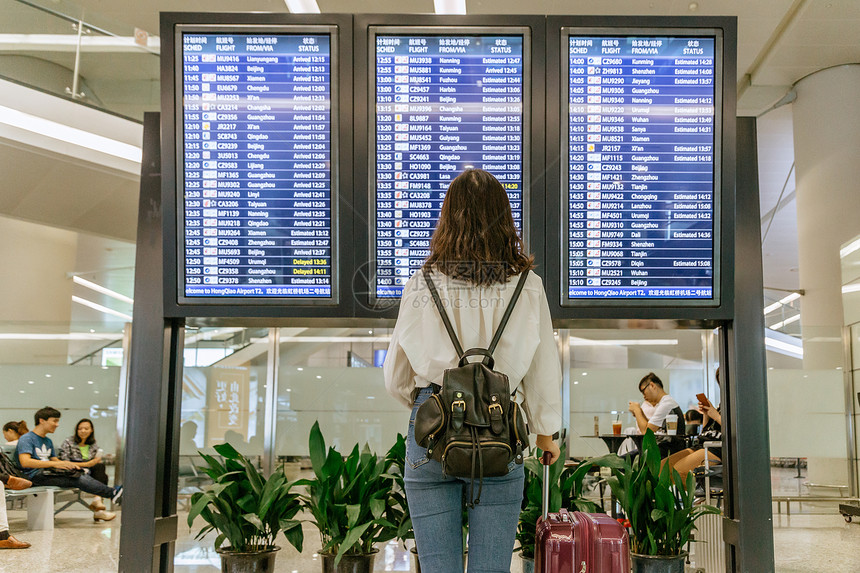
{"points": [[545, 459]]}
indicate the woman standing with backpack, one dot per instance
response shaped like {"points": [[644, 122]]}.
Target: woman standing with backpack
{"points": [[475, 262]]}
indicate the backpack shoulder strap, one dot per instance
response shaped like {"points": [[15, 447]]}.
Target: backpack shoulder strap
{"points": [[498, 335], [442, 312]]}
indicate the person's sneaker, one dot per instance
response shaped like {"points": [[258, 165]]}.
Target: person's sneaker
{"points": [[117, 494], [103, 515], [12, 543], [17, 483]]}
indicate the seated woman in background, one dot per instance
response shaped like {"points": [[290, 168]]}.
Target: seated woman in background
{"points": [[83, 451], [687, 460], [14, 430]]}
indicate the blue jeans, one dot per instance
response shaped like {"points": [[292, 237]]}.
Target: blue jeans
{"points": [[436, 507], [84, 482]]}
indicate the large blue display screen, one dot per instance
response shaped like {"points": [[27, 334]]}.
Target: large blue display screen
{"points": [[444, 103], [642, 167], [256, 150]]}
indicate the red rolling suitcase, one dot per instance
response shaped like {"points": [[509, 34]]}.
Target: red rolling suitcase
{"points": [[577, 542]]}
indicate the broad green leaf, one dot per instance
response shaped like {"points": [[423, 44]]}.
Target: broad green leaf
{"points": [[352, 537], [353, 512], [293, 532], [316, 446], [377, 506], [227, 451]]}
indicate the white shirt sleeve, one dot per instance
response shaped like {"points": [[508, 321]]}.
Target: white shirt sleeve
{"points": [[398, 373], [541, 386]]}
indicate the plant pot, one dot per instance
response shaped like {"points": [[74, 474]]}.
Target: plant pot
{"points": [[658, 563], [417, 562], [362, 563], [528, 564], [262, 561]]}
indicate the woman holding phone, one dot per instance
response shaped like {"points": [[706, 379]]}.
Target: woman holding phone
{"points": [[687, 460]]}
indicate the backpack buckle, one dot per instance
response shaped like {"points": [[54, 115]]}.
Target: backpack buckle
{"points": [[496, 417], [458, 414]]}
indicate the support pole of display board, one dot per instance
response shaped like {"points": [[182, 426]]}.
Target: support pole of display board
{"points": [[149, 520], [748, 526]]}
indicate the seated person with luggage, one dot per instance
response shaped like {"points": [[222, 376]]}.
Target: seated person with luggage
{"points": [[35, 454], [664, 405]]}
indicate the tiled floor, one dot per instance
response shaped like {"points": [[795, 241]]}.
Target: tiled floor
{"points": [[805, 543]]}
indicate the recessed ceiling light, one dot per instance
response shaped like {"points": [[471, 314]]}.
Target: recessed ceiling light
{"points": [[319, 377], [71, 387], [693, 6], [95, 392], [21, 392], [299, 369], [89, 381], [47, 375], [30, 382]]}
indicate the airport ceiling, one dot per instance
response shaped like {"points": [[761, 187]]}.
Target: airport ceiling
{"points": [[780, 42]]}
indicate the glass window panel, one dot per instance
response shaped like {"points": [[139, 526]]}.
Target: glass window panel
{"points": [[327, 375]]}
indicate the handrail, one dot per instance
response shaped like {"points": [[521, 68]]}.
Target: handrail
{"points": [[97, 350], [67, 18]]}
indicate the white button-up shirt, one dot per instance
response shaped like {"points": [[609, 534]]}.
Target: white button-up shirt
{"points": [[527, 353]]}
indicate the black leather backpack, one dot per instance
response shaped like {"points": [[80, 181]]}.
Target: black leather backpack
{"points": [[471, 425]]}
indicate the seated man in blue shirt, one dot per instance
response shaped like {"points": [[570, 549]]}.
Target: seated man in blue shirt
{"points": [[35, 455]]}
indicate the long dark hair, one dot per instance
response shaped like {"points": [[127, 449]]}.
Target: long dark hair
{"points": [[91, 439], [476, 239]]}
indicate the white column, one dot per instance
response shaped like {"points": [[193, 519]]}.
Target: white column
{"points": [[827, 156]]}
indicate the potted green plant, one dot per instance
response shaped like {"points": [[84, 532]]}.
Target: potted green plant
{"points": [[247, 510], [565, 490], [660, 507], [350, 502], [399, 506]]}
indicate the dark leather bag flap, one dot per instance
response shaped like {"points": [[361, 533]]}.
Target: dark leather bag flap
{"points": [[477, 385]]}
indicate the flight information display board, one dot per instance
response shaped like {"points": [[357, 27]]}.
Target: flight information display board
{"points": [[255, 155], [443, 103], [643, 167]]}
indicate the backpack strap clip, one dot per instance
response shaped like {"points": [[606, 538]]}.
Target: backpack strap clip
{"points": [[458, 414]]}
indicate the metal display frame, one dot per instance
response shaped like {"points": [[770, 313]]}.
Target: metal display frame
{"points": [[342, 255], [716, 197], [366, 27], [331, 32], [703, 312]]}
